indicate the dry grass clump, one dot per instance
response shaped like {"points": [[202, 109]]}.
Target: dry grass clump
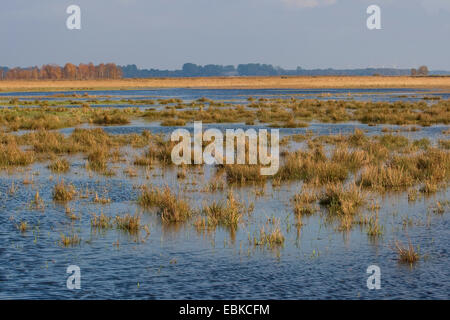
{"points": [[173, 122], [224, 213], [444, 144], [407, 254], [342, 200], [374, 229], [393, 142], [291, 123], [312, 167], [59, 165], [170, 207], [143, 161], [45, 142], [269, 236], [129, 223], [98, 159], [69, 241], [351, 159], [161, 151], [304, 202], [429, 187], [383, 178], [101, 200], [22, 226], [88, 138], [243, 173], [12, 155], [63, 192], [111, 119], [101, 221], [430, 167]]}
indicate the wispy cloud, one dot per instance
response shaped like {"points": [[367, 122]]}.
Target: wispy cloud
{"points": [[308, 3]]}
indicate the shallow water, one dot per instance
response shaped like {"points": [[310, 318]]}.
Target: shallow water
{"points": [[316, 261], [241, 95]]}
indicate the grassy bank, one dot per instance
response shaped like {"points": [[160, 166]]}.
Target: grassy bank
{"points": [[231, 82]]}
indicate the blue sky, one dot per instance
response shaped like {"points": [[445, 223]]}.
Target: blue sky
{"points": [[287, 33]]}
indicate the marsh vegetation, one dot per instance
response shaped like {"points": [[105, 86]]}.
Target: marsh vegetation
{"points": [[93, 177]]}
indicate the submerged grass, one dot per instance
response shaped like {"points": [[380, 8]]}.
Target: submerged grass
{"points": [[407, 254], [63, 192], [170, 207]]}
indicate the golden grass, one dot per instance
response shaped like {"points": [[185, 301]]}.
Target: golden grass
{"points": [[63, 192], [59, 165], [304, 202], [129, 223], [224, 213], [12, 155], [233, 82], [340, 199], [407, 254], [101, 221], [69, 241], [171, 207], [243, 174], [269, 235]]}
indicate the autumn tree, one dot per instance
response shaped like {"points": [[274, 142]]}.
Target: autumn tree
{"points": [[69, 71]]}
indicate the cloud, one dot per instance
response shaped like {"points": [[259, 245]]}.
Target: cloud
{"points": [[308, 3]]}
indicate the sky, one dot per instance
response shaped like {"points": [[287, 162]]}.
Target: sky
{"points": [[165, 34]]}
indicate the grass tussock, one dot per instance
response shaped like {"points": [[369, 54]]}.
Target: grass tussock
{"points": [[243, 174], [407, 254], [128, 223], [170, 206], [111, 119], [63, 192], [224, 213], [12, 155], [59, 166], [173, 123], [269, 236], [304, 202], [69, 241], [101, 222], [340, 199]]}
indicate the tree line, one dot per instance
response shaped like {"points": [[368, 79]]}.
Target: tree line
{"points": [[112, 71], [68, 72], [257, 69]]}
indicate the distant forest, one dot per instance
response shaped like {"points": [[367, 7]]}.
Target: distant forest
{"points": [[256, 69], [112, 71], [68, 72]]}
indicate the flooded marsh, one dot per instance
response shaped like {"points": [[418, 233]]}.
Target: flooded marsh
{"points": [[87, 179]]}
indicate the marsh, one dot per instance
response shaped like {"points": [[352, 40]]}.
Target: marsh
{"points": [[364, 183]]}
